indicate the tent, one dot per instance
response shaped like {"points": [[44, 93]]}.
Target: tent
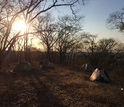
{"points": [[47, 64], [23, 66], [100, 75], [86, 67]]}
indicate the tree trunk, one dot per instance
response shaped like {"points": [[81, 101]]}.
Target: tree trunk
{"points": [[60, 55], [1, 63], [26, 58], [74, 59]]}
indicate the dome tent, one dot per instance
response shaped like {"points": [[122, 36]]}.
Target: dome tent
{"points": [[47, 64], [100, 75], [86, 67], [23, 66]]}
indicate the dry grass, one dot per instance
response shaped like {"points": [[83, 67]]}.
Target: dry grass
{"points": [[59, 87]]}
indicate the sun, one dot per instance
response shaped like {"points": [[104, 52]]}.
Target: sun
{"points": [[19, 26]]}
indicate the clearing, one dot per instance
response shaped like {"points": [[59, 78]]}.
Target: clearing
{"points": [[59, 87]]}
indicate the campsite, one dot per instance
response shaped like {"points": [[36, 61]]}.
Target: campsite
{"points": [[59, 87], [61, 53]]}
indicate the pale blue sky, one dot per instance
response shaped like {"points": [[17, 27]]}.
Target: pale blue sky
{"points": [[96, 12]]}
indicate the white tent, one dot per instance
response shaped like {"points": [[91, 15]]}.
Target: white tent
{"points": [[47, 64], [86, 67], [99, 75]]}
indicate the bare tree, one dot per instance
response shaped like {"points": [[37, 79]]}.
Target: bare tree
{"points": [[106, 45], [119, 48], [88, 48], [116, 20], [48, 35], [106, 50], [68, 35], [90, 43], [12, 10]]}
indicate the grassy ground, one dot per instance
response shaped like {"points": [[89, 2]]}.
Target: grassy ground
{"points": [[59, 87]]}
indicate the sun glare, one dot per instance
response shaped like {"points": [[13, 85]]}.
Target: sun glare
{"points": [[19, 25]]}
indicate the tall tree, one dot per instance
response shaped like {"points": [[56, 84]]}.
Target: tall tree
{"points": [[90, 43], [105, 50], [116, 20], [68, 35], [27, 10], [106, 45], [47, 32]]}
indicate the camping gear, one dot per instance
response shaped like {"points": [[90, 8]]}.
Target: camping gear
{"points": [[47, 64], [86, 67], [40, 64], [100, 75], [23, 66]]}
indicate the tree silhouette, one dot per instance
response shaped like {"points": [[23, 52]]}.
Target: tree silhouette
{"points": [[28, 10]]}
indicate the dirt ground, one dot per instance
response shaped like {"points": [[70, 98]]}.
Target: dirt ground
{"points": [[59, 87]]}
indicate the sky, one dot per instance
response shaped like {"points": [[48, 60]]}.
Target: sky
{"points": [[96, 13]]}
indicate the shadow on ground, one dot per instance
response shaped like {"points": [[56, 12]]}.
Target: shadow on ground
{"points": [[26, 90]]}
